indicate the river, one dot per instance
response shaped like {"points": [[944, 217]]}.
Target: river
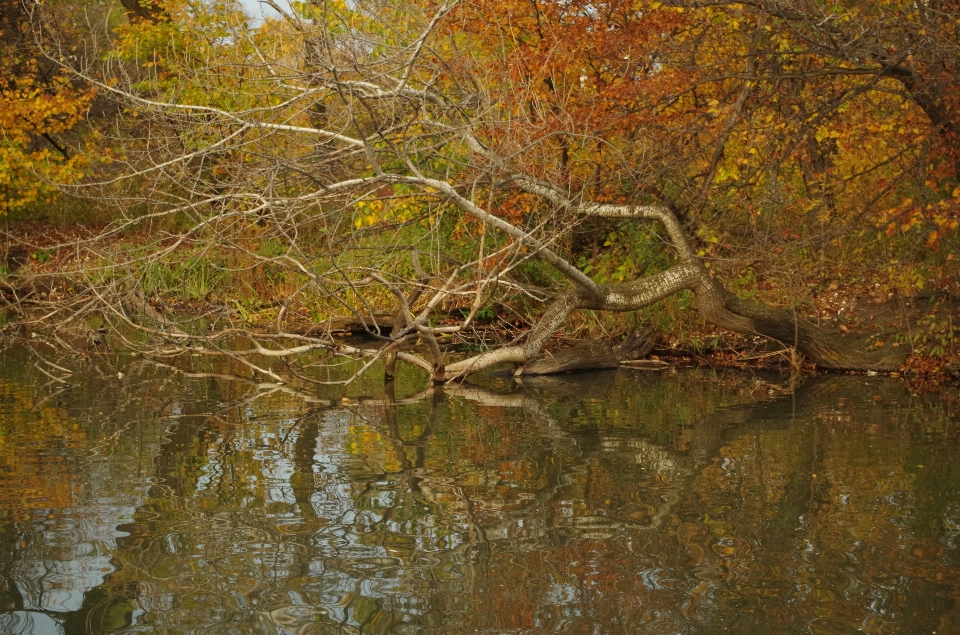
{"points": [[138, 499]]}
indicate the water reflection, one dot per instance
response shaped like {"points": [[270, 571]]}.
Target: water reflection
{"points": [[685, 503], [69, 556]]}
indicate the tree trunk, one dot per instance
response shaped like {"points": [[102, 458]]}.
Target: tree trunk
{"points": [[717, 305], [720, 307]]}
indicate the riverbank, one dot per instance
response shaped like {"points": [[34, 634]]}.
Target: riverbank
{"points": [[43, 275]]}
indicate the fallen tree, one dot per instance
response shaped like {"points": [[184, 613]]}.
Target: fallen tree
{"points": [[360, 171]]}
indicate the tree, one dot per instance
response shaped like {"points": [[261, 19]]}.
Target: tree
{"points": [[349, 158], [769, 128], [39, 104], [874, 128]]}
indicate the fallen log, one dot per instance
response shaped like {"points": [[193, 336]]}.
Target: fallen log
{"points": [[594, 354], [584, 355], [637, 345]]}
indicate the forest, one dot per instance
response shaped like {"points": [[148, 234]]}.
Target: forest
{"points": [[535, 185]]}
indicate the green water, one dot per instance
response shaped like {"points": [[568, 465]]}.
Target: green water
{"points": [[135, 499]]}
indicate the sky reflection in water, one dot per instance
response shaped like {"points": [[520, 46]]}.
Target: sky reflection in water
{"points": [[692, 502]]}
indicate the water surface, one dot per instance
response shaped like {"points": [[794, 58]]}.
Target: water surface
{"points": [[136, 499]]}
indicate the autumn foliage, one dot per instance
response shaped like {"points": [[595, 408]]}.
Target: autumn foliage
{"points": [[821, 132], [798, 147], [39, 103]]}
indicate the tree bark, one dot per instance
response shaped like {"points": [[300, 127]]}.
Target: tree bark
{"points": [[585, 355], [791, 329]]}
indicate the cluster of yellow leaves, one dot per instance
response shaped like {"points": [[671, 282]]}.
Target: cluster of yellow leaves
{"points": [[392, 211], [31, 116]]}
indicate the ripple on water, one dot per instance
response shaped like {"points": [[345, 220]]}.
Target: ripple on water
{"points": [[645, 507]]}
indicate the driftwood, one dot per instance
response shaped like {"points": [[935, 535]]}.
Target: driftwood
{"points": [[637, 345], [585, 355], [594, 354]]}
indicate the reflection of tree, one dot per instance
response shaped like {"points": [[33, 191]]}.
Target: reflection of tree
{"points": [[70, 482], [450, 506], [670, 504], [739, 529], [391, 510], [810, 516]]}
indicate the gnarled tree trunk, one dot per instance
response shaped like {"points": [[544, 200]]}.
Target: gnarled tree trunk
{"points": [[717, 305], [786, 326]]}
